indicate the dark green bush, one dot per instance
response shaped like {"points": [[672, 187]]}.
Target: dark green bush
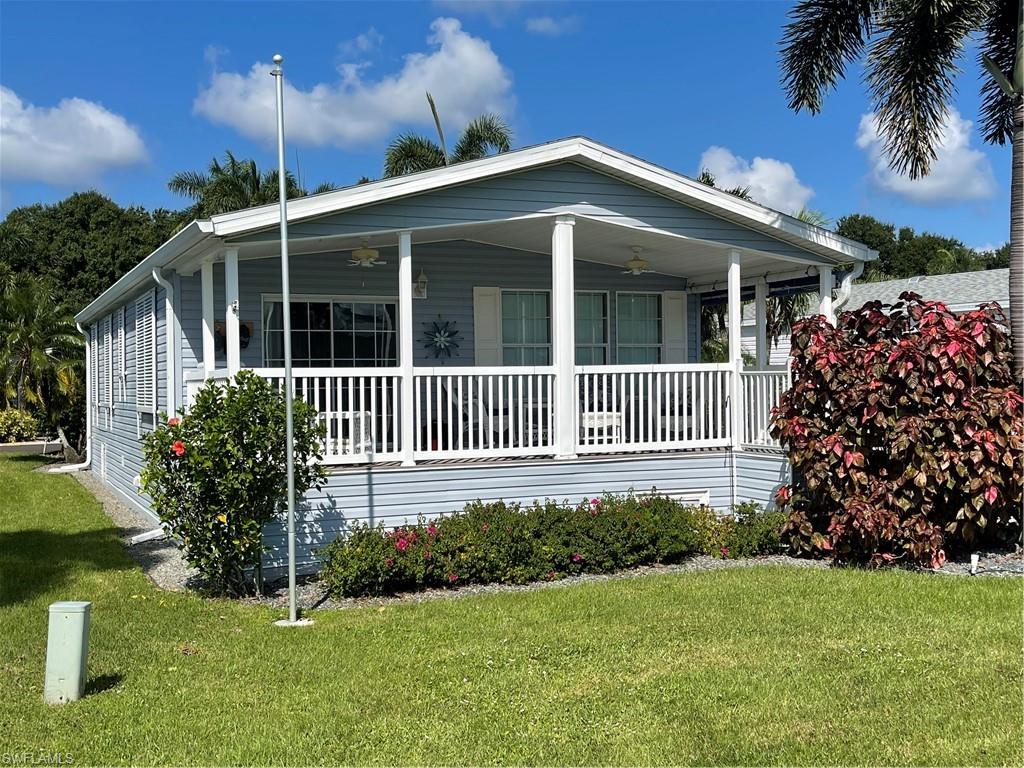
{"points": [[218, 474], [17, 426], [508, 543]]}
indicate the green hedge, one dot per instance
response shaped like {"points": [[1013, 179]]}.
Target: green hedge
{"points": [[17, 426], [513, 544]]}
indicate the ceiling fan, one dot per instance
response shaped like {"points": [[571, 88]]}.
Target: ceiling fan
{"points": [[636, 265], [364, 256]]}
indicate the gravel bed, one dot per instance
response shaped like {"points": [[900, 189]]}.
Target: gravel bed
{"points": [[162, 562], [310, 593], [160, 559]]}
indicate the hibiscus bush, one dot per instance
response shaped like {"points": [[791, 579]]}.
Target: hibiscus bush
{"points": [[508, 543], [904, 430], [218, 473]]}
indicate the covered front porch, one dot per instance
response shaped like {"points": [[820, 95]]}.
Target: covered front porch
{"points": [[544, 336]]}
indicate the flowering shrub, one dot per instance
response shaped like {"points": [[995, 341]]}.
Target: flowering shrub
{"points": [[509, 543], [904, 431], [219, 473], [17, 425]]}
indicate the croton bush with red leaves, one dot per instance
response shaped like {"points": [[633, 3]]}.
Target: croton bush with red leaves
{"points": [[904, 430]]}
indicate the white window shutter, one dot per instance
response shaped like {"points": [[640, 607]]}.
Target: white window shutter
{"points": [[93, 367], [145, 354], [103, 361], [115, 357], [487, 326], [673, 308], [121, 367]]}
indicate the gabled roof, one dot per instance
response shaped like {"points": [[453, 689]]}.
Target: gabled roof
{"points": [[580, 150]]}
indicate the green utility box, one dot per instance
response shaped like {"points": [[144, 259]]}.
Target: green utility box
{"points": [[67, 646]]}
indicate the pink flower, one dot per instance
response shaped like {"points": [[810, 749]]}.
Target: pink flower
{"points": [[991, 494], [178, 448], [389, 562], [724, 551], [576, 557], [552, 575], [453, 577], [595, 502], [401, 545], [173, 422], [484, 527], [432, 530]]}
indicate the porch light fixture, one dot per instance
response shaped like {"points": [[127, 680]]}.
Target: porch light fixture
{"points": [[636, 265], [419, 289]]}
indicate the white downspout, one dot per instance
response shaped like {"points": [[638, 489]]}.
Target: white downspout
{"points": [[88, 414], [846, 285], [172, 393]]}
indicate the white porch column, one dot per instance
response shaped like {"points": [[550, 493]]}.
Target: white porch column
{"points": [[761, 323], [209, 344], [734, 320], [825, 293], [231, 310], [405, 345], [563, 335]]}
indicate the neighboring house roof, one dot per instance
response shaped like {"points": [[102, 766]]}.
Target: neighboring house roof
{"points": [[960, 291], [209, 233]]}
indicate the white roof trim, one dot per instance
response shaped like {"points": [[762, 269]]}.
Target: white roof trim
{"points": [[578, 149]]}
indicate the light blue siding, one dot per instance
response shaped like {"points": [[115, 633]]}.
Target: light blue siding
{"points": [[452, 270], [559, 188], [116, 445], [393, 496], [759, 474]]}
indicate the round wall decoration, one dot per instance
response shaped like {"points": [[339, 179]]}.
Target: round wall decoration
{"points": [[440, 337]]}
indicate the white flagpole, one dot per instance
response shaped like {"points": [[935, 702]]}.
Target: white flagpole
{"points": [[278, 73]]}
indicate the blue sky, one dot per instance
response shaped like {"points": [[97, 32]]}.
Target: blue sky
{"points": [[118, 96]]}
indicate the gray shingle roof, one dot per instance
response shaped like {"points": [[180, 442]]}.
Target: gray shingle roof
{"points": [[960, 290]]}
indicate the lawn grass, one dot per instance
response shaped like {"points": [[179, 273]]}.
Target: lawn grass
{"points": [[746, 666]]}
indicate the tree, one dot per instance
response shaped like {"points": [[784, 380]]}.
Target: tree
{"points": [[40, 350], [233, 185], [82, 244], [411, 152], [913, 50]]}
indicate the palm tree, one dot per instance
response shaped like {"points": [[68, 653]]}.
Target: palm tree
{"points": [[411, 152], [913, 50], [707, 177], [40, 348], [233, 185]]}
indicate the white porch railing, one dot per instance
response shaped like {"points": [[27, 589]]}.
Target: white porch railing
{"points": [[479, 412], [761, 392], [359, 407], [652, 407], [473, 412]]}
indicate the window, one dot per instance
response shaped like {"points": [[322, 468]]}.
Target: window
{"points": [[145, 353], [526, 327], [638, 327], [591, 328], [343, 333]]}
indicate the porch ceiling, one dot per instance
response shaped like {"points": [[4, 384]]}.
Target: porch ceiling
{"points": [[594, 241]]}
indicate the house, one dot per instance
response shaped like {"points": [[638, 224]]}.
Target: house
{"points": [[960, 291], [573, 274]]}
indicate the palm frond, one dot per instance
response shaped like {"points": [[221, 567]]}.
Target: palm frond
{"points": [[813, 217], [999, 43], [820, 40], [437, 125], [911, 68], [410, 153], [326, 186], [188, 184], [485, 134]]}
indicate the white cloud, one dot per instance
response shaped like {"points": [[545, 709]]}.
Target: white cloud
{"points": [[462, 73], [496, 11], [959, 172], [362, 44], [72, 143], [552, 27], [772, 182]]}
